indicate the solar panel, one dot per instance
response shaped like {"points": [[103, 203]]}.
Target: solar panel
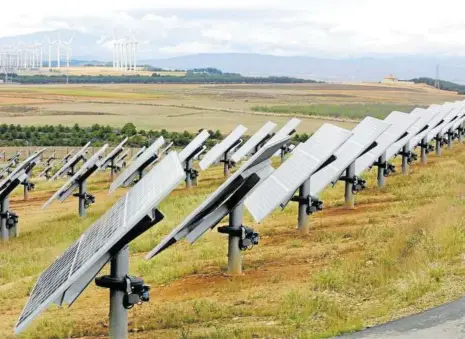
{"points": [[364, 135], [304, 161], [400, 123], [217, 205], [224, 146], [46, 170], [411, 137], [254, 141], [440, 117], [25, 167], [71, 162], [194, 146], [69, 275], [113, 154], [139, 152], [64, 160], [451, 118], [286, 130], [89, 167], [431, 117], [138, 164]]}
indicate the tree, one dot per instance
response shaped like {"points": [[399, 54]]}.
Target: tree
{"points": [[129, 129]]}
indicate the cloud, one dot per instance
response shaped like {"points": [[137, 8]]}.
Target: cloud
{"points": [[334, 28]]}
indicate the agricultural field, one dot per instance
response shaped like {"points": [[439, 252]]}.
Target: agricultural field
{"points": [[192, 107], [98, 70]]}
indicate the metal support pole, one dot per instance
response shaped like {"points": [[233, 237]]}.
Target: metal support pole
{"points": [[381, 169], [449, 140], [438, 146], [349, 195], [119, 268], [405, 159], [283, 154], [82, 191], [188, 170], [226, 165], [424, 156], [112, 172], [304, 193], [460, 131], [5, 232], [141, 174], [234, 252], [26, 192]]}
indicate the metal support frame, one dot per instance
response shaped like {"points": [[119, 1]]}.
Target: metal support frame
{"points": [[460, 131], [119, 269], [381, 164], [450, 136], [112, 169], [405, 159], [191, 173], [227, 163], [349, 194], [438, 146], [4, 227], [304, 193], [26, 190], [234, 251], [85, 199], [424, 151]]}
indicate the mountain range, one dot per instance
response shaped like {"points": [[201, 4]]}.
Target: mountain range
{"points": [[87, 46]]}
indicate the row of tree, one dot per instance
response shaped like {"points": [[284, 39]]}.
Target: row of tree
{"points": [[189, 78], [59, 135]]}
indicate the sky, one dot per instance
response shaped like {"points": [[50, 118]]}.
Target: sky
{"points": [[320, 28]]}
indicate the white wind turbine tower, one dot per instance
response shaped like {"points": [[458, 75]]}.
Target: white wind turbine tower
{"points": [[50, 45], [67, 45], [58, 43], [134, 59]]}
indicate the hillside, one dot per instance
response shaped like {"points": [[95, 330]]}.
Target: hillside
{"points": [[444, 85]]}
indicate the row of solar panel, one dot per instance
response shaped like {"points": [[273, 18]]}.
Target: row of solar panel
{"points": [[323, 158]]}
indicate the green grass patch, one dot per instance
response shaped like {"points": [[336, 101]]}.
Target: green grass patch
{"points": [[348, 111]]}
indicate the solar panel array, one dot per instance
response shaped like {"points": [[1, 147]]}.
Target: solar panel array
{"points": [[53, 284], [126, 177], [400, 123], [193, 146], [305, 159], [113, 154], [91, 165], [218, 150], [22, 168], [323, 158], [71, 162], [192, 227], [248, 147]]}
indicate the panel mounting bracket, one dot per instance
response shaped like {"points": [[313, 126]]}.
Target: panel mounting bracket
{"points": [[248, 237]]}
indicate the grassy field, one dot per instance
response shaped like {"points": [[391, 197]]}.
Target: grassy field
{"points": [[191, 107], [400, 250], [347, 111]]}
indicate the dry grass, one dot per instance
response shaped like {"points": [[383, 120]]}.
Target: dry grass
{"points": [[180, 107], [398, 252]]}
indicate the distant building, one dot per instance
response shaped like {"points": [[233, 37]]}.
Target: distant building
{"points": [[390, 79]]}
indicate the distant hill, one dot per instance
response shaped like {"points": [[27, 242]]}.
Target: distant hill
{"points": [[444, 85], [93, 47], [358, 69]]}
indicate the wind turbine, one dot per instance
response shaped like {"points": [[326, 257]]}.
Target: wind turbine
{"points": [[50, 44], [67, 45], [58, 42]]}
